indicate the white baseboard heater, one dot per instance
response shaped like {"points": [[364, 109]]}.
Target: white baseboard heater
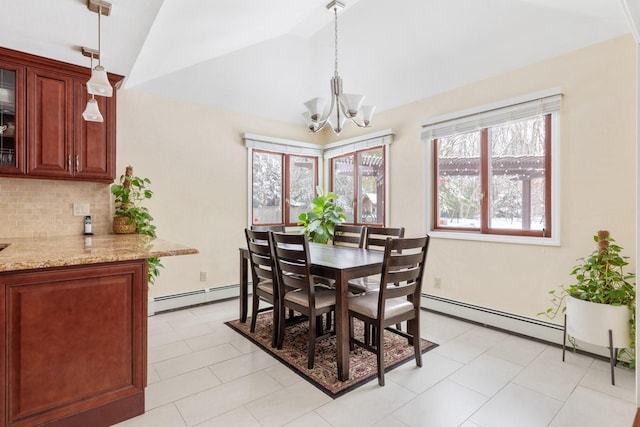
{"points": [[521, 325], [509, 322]]}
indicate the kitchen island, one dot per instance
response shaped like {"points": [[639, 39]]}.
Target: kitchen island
{"points": [[74, 328]]}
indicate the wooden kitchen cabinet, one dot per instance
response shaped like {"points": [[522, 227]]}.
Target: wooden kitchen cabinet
{"points": [[74, 344], [57, 143], [12, 108]]}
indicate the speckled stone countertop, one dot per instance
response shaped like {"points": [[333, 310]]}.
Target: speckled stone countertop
{"points": [[27, 253]]}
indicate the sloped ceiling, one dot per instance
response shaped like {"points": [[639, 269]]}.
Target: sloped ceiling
{"points": [[267, 58]]}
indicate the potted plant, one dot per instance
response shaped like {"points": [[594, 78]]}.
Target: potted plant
{"points": [[130, 216], [321, 220], [603, 298]]}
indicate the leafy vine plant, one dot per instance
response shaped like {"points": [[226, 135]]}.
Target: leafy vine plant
{"points": [[129, 194], [600, 278]]}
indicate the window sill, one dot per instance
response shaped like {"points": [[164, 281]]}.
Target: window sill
{"points": [[495, 238]]}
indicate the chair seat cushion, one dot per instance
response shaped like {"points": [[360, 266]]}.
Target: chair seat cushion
{"points": [[324, 297], [367, 305], [365, 284], [266, 287]]}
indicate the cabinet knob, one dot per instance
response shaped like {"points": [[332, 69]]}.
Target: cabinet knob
{"points": [[77, 163]]}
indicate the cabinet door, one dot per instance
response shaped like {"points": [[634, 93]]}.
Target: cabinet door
{"points": [[75, 344], [95, 143], [49, 123], [12, 113]]}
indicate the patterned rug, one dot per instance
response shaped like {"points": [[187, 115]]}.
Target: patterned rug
{"points": [[362, 364]]}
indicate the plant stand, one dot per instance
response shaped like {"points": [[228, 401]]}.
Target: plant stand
{"points": [[613, 352]]}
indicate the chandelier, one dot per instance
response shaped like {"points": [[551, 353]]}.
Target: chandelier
{"points": [[343, 105]]}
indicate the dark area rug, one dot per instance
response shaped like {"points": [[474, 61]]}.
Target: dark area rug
{"points": [[362, 364]]}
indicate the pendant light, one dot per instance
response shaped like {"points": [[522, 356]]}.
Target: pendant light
{"points": [[343, 105], [99, 84], [91, 112]]}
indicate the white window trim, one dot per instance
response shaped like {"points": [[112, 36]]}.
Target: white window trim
{"points": [[438, 126], [382, 138], [276, 145], [326, 152]]}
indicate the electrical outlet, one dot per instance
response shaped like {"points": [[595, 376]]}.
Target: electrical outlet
{"points": [[437, 282], [81, 209], [203, 276]]}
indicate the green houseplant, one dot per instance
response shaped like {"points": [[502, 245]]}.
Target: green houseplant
{"points": [[130, 216], [600, 278], [324, 215]]}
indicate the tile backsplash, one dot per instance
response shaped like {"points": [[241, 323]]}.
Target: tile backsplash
{"points": [[44, 208]]}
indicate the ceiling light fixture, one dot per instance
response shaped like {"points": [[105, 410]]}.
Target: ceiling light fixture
{"points": [[347, 106], [91, 112], [99, 84]]}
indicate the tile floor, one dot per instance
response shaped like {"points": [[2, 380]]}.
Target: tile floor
{"points": [[202, 373]]}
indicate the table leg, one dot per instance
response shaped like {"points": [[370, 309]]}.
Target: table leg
{"points": [[342, 327], [244, 283]]}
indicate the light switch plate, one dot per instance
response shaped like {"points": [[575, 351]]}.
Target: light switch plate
{"points": [[81, 209]]}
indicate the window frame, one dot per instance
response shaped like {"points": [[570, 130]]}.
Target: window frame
{"points": [[548, 104], [285, 197], [356, 183], [286, 149]]}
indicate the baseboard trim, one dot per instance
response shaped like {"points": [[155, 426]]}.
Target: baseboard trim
{"points": [[183, 300], [513, 323]]}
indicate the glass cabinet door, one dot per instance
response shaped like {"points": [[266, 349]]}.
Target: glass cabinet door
{"points": [[11, 118]]}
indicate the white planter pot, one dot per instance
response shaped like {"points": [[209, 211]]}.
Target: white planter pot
{"points": [[590, 322]]}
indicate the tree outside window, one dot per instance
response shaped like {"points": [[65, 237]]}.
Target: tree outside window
{"points": [[283, 186], [358, 178], [495, 180]]}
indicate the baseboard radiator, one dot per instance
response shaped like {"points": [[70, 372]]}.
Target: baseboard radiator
{"points": [[513, 323], [520, 325], [189, 299]]}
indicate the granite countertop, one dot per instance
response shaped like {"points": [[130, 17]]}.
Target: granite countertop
{"points": [[29, 253]]}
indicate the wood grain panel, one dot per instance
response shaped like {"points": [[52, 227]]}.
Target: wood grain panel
{"points": [[75, 344]]}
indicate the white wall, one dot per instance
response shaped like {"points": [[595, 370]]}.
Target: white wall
{"points": [[197, 162]]}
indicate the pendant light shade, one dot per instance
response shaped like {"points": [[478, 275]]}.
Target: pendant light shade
{"points": [[343, 105], [99, 84], [91, 113]]}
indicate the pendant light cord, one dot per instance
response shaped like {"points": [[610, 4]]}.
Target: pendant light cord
{"points": [[335, 14], [99, 38]]}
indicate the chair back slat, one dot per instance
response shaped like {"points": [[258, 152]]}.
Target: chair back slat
{"points": [[375, 237], [403, 269], [260, 256], [293, 267], [276, 227], [348, 235]]}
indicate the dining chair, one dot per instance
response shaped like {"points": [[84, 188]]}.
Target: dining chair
{"points": [[298, 290], [264, 281], [277, 227], [348, 235], [397, 300], [375, 239]]}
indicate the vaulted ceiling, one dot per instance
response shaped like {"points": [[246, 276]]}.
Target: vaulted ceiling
{"points": [[266, 58]]}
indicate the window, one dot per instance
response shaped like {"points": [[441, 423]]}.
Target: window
{"points": [[282, 184], [358, 175], [492, 170], [284, 174], [358, 179]]}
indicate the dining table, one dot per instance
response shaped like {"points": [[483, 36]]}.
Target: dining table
{"points": [[340, 263]]}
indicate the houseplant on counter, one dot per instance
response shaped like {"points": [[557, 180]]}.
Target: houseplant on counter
{"points": [[324, 215], [130, 216], [601, 284]]}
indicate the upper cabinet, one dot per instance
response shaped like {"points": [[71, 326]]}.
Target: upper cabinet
{"points": [[49, 137]]}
